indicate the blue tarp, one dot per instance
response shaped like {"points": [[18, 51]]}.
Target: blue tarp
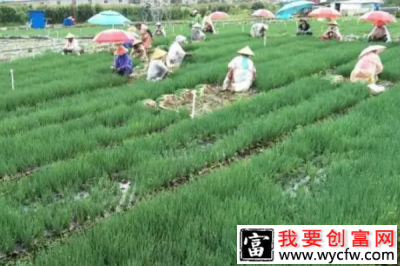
{"points": [[37, 19]]}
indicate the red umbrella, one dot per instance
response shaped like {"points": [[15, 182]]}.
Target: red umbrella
{"points": [[113, 36], [219, 15], [378, 16], [263, 13], [324, 12]]}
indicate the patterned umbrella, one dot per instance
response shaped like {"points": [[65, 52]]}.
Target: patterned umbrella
{"points": [[113, 36], [263, 13], [324, 12], [218, 15], [378, 16]]}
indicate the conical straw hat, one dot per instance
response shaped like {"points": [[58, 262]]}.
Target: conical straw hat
{"points": [[137, 41], [158, 54], [70, 36], [372, 48], [121, 50], [333, 22], [132, 29], [246, 51]]}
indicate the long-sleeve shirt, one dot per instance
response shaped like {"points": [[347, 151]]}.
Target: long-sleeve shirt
{"points": [[304, 28], [256, 30], [197, 35], [71, 45], [123, 61], [380, 32], [368, 67], [157, 70], [334, 30], [197, 19], [176, 54], [242, 72]]}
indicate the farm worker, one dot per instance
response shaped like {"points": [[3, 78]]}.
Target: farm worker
{"points": [[71, 45], [379, 33], [197, 34], [369, 65], [139, 52], [145, 35], [304, 28], [157, 69], [160, 32], [196, 18], [242, 72], [123, 63], [332, 33], [176, 54], [208, 25], [258, 30]]}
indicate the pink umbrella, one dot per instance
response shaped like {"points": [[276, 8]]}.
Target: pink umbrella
{"points": [[378, 17], [113, 36], [218, 15], [263, 13], [324, 12]]}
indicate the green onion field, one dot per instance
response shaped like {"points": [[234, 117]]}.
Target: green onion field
{"points": [[303, 150]]}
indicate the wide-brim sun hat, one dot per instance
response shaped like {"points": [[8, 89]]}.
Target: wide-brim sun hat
{"points": [[195, 12], [197, 26], [180, 38], [137, 42], [158, 24], [121, 50], [372, 48], [70, 36], [334, 23], [246, 51], [158, 54]]}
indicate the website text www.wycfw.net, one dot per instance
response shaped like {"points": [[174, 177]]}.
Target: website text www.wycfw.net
{"points": [[337, 256]]}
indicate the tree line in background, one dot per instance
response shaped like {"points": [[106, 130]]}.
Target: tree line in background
{"points": [[13, 14]]}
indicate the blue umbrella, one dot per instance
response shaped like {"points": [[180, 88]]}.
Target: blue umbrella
{"points": [[109, 18], [288, 10]]}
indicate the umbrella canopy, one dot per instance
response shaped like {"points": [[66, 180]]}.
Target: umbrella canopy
{"points": [[378, 16], [219, 15], [114, 36], [109, 18], [263, 13], [288, 10], [324, 12]]}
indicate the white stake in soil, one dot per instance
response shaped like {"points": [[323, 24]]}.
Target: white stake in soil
{"points": [[265, 41], [12, 79], [193, 104]]}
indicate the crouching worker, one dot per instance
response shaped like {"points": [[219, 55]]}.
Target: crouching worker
{"points": [[123, 63], [332, 33], [139, 52], [197, 34], [369, 65], [176, 54], [304, 28], [71, 45], [208, 25], [242, 72], [258, 30], [157, 69], [160, 32], [379, 33]]}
